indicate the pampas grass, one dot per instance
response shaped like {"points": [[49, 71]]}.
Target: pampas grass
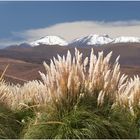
{"points": [[74, 87], [67, 79]]}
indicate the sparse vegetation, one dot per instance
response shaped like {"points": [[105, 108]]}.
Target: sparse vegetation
{"points": [[75, 99]]}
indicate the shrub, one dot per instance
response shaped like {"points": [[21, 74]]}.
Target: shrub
{"points": [[84, 122]]}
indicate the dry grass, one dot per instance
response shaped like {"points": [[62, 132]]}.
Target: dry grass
{"points": [[68, 79], [71, 86]]}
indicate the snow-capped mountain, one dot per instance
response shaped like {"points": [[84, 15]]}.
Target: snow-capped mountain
{"points": [[124, 39], [50, 40], [92, 39], [98, 40]]}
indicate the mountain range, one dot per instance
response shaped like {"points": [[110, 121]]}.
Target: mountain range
{"points": [[26, 59], [92, 39]]}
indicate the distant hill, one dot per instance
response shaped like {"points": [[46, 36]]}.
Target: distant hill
{"points": [[129, 52], [26, 61]]}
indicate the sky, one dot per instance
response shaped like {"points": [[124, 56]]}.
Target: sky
{"points": [[27, 21]]}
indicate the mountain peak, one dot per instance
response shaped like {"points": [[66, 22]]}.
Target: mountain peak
{"points": [[50, 40], [93, 39], [126, 39]]}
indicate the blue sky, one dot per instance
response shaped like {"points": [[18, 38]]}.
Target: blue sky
{"points": [[19, 18]]}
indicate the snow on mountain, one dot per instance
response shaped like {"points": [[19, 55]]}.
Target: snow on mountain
{"points": [[124, 39], [50, 40], [92, 39]]}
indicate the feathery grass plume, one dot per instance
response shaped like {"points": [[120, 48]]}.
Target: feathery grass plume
{"points": [[129, 95], [67, 78], [32, 92], [64, 80], [6, 93], [104, 78], [4, 89], [14, 96]]}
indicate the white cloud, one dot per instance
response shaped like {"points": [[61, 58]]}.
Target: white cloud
{"points": [[72, 30]]}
